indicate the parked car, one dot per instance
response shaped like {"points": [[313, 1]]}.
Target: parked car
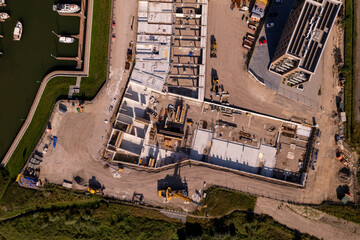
{"points": [[300, 87], [269, 25], [274, 14], [262, 41], [252, 26]]}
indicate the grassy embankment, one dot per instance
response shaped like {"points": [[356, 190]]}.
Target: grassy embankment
{"points": [[221, 201], [99, 50], [348, 71], [63, 214], [349, 213], [55, 89], [18, 200], [352, 126], [58, 88]]}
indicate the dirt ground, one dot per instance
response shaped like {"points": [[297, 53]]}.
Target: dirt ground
{"points": [[324, 178], [308, 220], [82, 136], [229, 29], [246, 92]]}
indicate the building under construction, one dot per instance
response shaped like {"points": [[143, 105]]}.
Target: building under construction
{"points": [[188, 49], [303, 40], [170, 48], [163, 118]]}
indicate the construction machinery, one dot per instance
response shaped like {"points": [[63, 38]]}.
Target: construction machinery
{"points": [[215, 84], [213, 48], [168, 194], [343, 158], [93, 190]]}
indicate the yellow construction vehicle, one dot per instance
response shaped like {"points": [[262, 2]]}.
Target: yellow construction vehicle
{"points": [[93, 190], [213, 48], [168, 194], [215, 84]]}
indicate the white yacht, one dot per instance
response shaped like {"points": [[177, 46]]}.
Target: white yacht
{"points": [[66, 8], [18, 31], [65, 39], [4, 16]]}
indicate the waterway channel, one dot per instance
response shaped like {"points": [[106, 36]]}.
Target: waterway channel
{"points": [[24, 63]]}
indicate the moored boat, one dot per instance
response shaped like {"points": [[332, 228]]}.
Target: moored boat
{"points": [[2, 3], [18, 31], [66, 8], [4, 16], [64, 39]]}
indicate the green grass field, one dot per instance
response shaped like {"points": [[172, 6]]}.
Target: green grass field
{"points": [[58, 88], [19, 200], [116, 221], [59, 213]]}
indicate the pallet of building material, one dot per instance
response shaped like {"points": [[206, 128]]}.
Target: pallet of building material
{"points": [[127, 65]]}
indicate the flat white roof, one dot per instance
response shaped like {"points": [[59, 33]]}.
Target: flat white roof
{"points": [[234, 155], [201, 141], [159, 12], [150, 74], [144, 27], [242, 157]]}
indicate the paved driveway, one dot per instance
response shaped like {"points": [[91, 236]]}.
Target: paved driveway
{"points": [[263, 54]]}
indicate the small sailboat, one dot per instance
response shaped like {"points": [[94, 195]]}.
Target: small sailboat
{"points": [[66, 8], [64, 39], [4, 16], [18, 31]]}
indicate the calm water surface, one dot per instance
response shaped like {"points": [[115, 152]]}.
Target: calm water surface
{"points": [[25, 63]]}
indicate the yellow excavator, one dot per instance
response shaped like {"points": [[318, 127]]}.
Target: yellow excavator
{"points": [[215, 84], [169, 194], [93, 190]]}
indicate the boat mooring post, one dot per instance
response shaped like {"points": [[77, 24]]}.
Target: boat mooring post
{"points": [[55, 34]]}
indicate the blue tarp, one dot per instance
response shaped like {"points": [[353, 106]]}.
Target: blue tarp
{"points": [[27, 181], [54, 141]]}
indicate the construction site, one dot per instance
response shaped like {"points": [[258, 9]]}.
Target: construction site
{"points": [[186, 114], [153, 129]]}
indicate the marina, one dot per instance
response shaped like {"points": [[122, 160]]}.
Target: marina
{"points": [[73, 11], [20, 71]]}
